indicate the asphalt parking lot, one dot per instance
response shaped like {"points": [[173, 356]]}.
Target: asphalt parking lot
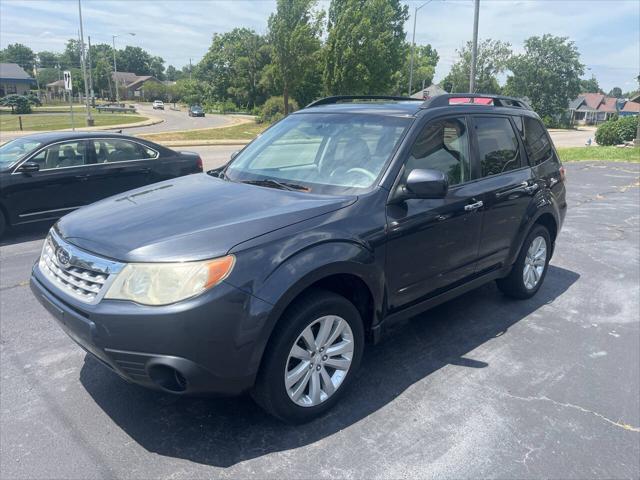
{"points": [[482, 386]]}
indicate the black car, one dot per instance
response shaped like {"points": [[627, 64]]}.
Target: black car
{"points": [[269, 273], [196, 111], [45, 176]]}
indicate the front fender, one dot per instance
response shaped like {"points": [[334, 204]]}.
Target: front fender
{"points": [[305, 268]]}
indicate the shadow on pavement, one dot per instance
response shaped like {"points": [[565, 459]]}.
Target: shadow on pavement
{"points": [[223, 432], [26, 233]]}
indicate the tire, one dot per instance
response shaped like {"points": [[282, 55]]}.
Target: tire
{"points": [[514, 285], [3, 224], [315, 310]]}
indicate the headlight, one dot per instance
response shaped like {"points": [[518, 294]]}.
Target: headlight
{"points": [[165, 283]]}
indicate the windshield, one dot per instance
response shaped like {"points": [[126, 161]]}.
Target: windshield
{"points": [[324, 153], [16, 150]]}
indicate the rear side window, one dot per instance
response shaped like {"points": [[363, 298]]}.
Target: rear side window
{"points": [[536, 141], [116, 150], [497, 145]]}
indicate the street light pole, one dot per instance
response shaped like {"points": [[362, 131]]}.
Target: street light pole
{"points": [[413, 44], [474, 48], [84, 68], [115, 67]]}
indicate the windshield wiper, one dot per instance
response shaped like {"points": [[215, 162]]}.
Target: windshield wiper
{"points": [[270, 182]]}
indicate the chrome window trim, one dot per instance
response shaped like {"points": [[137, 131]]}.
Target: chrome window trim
{"points": [[35, 153], [49, 211]]}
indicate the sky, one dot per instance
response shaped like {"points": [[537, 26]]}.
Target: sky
{"points": [[607, 32]]}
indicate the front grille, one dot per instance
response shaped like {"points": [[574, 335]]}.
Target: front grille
{"points": [[83, 276]]}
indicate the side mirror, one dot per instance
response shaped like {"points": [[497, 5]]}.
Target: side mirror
{"points": [[29, 167], [235, 154], [426, 183]]}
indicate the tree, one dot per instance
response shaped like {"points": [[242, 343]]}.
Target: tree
{"points": [[70, 58], [294, 34], [616, 92], [424, 67], [48, 59], [365, 46], [20, 104], [173, 73], [547, 73], [233, 66], [590, 85], [20, 54], [493, 57]]}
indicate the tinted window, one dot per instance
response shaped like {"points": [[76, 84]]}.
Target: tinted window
{"points": [[116, 150], [497, 145], [536, 141], [15, 150], [62, 155], [443, 145]]}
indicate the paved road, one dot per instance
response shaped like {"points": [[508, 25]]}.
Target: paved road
{"points": [[573, 138], [175, 120], [482, 386]]}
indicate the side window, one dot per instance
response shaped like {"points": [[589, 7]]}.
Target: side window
{"points": [[443, 145], [116, 150], [536, 141], [497, 145], [61, 155]]}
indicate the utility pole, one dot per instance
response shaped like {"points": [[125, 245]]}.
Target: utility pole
{"points": [[115, 68], [93, 98], [474, 48], [84, 68], [413, 44]]}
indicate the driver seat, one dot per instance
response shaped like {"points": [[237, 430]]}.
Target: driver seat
{"points": [[353, 154]]}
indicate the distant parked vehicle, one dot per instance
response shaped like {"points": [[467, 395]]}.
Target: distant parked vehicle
{"points": [[158, 105], [196, 111], [45, 176]]}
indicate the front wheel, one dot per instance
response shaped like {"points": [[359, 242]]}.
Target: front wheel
{"points": [[530, 269], [312, 357]]}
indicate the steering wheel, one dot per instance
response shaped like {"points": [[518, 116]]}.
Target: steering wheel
{"points": [[362, 171]]}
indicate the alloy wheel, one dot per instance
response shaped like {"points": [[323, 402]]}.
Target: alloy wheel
{"points": [[535, 262]]}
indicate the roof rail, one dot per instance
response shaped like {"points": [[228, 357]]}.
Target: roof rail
{"points": [[346, 98], [497, 100]]}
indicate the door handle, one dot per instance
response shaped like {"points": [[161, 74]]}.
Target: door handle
{"points": [[473, 207], [531, 188]]}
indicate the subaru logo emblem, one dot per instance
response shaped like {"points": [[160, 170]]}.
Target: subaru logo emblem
{"points": [[63, 257]]}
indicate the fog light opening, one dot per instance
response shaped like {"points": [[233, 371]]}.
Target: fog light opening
{"points": [[168, 378]]}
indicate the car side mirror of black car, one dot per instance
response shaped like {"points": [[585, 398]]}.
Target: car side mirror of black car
{"points": [[29, 167], [423, 183]]}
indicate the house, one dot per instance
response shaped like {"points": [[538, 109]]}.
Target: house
{"points": [[132, 85], [429, 92], [592, 108], [631, 107], [13, 79]]}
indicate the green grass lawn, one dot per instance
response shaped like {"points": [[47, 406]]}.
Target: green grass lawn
{"points": [[34, 122], [612, 154], [243, 131]]}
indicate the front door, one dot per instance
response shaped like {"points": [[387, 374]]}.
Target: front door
{"points": [[433, 243]]}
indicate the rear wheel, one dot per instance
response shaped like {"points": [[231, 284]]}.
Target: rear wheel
{"points": [[312, 357], [530, 269]]}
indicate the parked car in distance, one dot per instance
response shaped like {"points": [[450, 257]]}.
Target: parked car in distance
{"points": [[158, 105], [47, 175], [269, 274], [196, 111]]}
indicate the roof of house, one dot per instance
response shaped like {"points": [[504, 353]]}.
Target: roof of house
{"points": [[140, 80], [124, 77], [608, 105], [594, 101], [631, 107], [635, 99], [13, 71], [430, 91], [57, 83]]}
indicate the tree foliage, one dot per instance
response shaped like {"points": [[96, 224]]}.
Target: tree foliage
{"points": [[20, 104], [493, 58], [547, 73], [294, 35], [590, 85], [20, 54], [365, 46], [616, 92], [424, 67]]}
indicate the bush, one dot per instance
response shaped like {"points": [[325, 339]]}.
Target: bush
{"points": [[614, 132], [20, 104], [627, 128], [273, 109]]}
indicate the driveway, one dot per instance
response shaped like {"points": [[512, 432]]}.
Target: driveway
{"points": [[482, 386]]}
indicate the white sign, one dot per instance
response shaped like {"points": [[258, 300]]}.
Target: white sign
{"points": [[67, 80]]}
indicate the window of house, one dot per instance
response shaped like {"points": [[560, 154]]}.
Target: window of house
{"points": [[536, 141], [497, 145], [443, 145]]}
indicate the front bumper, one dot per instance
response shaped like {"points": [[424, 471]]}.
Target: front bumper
{"points": [[202, 345]]}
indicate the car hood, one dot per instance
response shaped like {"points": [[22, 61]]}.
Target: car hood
{"points": [[188, 218]]}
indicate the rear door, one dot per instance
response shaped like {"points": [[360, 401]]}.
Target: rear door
{"points": [[506, 185]]}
